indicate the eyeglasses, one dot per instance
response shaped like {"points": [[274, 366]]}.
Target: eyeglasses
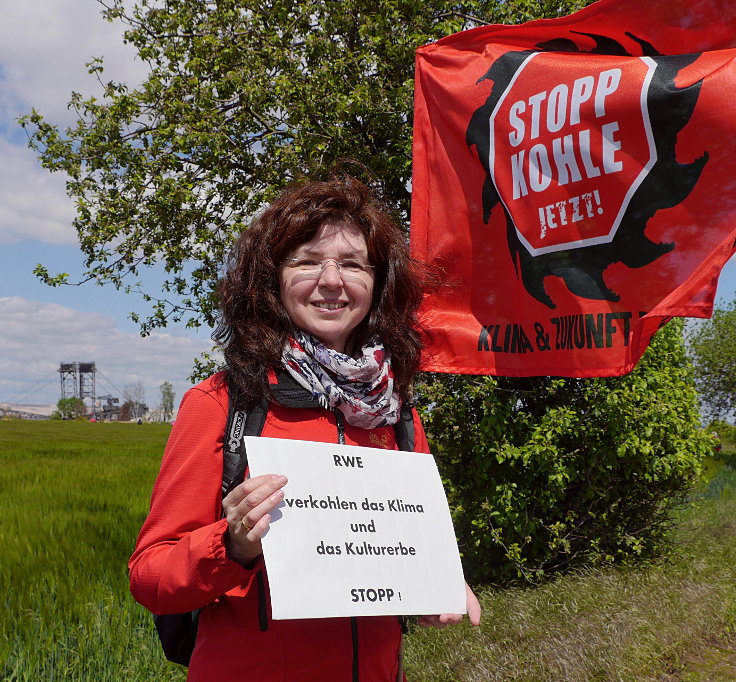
{"points": [[313, 266]]}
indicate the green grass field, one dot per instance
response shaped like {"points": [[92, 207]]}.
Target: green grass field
{"points": [[73, 496]]}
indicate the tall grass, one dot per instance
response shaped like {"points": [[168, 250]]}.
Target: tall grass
{"points": [[652, 622], [73, 497]]}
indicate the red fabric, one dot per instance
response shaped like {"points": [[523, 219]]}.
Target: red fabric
{"points": [[574, 181], [180, 563]]}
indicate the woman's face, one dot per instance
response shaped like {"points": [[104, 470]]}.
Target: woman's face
{"points": [[328, 302]]}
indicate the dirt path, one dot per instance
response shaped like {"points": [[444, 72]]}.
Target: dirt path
{"points": [[716, 664]]}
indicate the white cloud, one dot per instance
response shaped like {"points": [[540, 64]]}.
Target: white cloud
{"points": [[43, 50], [33, 202], [44, 47], [35, 337]]}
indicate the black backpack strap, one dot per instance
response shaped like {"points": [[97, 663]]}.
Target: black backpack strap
{"points": [[234, 457], [235, 462], [404, 428]]}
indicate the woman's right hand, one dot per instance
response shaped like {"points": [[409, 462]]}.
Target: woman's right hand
{"points": [[248, 512]]}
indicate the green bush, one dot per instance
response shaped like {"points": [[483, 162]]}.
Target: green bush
{"points": [[543, 473], [726, 432]]}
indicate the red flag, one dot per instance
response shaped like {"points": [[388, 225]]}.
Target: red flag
{"points": [[575, 181]]}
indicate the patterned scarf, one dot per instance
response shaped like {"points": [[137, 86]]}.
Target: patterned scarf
{"points": [[361, 388]]}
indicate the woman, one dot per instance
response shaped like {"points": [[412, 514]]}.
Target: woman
{"points": [[319, 296]]}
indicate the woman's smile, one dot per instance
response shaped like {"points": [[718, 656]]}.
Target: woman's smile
{"points": [[330, 305]]}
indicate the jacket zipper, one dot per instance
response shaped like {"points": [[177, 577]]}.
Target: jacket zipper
{"points": [[340, 427], [354, 631], [340, 421]]}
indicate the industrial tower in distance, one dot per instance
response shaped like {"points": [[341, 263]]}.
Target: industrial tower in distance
{"points": [[78, 380]]}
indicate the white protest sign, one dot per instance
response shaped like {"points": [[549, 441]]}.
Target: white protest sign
{"points": [[361, 531]]}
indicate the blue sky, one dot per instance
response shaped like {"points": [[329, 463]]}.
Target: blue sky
{"points": [[43, 49]]}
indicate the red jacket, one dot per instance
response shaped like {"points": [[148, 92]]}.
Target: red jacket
{"points": [[180, 564]]}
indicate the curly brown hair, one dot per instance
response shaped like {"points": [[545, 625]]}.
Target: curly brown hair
{"points": [[253, 325]]}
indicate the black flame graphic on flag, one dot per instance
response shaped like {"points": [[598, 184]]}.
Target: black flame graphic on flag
{"points": [[667, 184]]}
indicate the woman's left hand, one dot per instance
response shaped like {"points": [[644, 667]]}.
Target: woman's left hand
{"points": [[471, 603]]}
